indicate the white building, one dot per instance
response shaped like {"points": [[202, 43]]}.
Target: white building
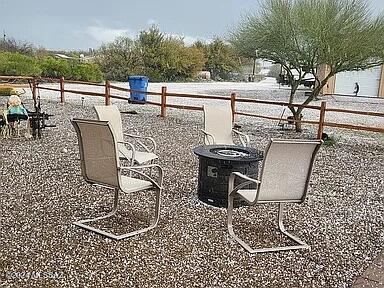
{"points": [[370, 81]]}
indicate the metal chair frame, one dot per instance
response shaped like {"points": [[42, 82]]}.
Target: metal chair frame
{"points": [[156, 185], [232, 191]]}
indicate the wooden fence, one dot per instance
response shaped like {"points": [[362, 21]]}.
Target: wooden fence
{"points": [[35, 83]]}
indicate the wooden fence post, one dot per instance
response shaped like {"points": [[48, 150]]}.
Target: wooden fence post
{"points": [[62, 99], [163, 112], [321, 120], [107, 93], [34, 91], [233, 105]]}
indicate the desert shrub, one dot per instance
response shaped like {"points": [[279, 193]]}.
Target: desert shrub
{"points": [[7, 90], [18, 65], [86, 72], [55, 68]]}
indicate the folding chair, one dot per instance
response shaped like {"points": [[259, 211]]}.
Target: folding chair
{"points": [[284, 178], [112, 114], [218, 126], [100, 166]]}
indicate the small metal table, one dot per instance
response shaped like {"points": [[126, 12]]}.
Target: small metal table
{"points": [[216, 163]]}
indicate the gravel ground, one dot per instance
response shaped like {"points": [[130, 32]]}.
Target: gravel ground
{"points": [[42, 193]]}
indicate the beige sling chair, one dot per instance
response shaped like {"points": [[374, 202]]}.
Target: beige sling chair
{"points": [[100, 166], [218, 126], [112, 114], [284, 178]]}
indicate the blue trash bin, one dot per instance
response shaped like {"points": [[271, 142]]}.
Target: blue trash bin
{"points": [[139, 83]]}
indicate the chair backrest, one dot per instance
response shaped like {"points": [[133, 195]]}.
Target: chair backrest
{"points": [[218, 122], [111, 114], [286, 170], [97, 147]]}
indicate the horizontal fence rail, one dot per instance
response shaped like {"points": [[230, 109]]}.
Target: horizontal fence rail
{"points": [[275, 118], [36, 82]]}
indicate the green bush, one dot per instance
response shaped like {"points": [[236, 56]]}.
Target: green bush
{"points": [[55, 68], [86, 72], [329, 140], [16, 64]]}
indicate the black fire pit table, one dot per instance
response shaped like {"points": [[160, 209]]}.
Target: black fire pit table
{"points": [[216, 163]]}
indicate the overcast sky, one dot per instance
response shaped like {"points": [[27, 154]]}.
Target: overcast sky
{"points": [[83, 24]]}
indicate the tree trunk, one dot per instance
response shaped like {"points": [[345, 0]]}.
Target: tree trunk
{"points": [[297, 117]]}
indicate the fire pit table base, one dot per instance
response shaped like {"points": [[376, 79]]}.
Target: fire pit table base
{"points": [[216, 163]]}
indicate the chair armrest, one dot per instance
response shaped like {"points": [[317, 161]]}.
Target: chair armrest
{"points": [[132, 148], [136, 169], [245, 177], [242, 135], [150, 139], [231, 182], [207, 135]]}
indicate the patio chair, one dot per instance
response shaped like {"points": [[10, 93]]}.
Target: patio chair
{"points": [[112, 114], [284, 178], [218, 126], [100, 166], [14, 115]]}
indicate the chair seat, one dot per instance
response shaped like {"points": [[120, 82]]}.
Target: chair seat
{"points": [[248, 194], [140, 157], [129, 184]]}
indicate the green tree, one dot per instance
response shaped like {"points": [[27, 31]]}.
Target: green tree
{"points": [[152, 53], [117, 60], [179, 62], [303, 35], [196, 59], [166, 58], [159, 56], [220, 59]]}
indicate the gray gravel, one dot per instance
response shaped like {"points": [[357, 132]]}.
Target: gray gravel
{"points": [[42, 193]]}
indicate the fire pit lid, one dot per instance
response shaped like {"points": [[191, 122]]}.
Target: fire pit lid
{"points": [[229, 153]]}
